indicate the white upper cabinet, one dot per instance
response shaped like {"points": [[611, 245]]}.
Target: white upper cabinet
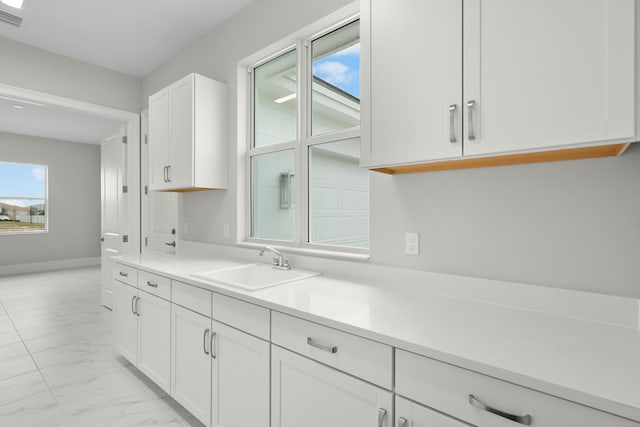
{"points": [[188, 135], [412, 65], [547, 73], [445, 79]]}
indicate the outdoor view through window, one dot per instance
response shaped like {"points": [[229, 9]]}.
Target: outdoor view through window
{"points": [[23, 198]]}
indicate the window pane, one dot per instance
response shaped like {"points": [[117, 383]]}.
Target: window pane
{"points": [[22, 198], [339, 195], [274, 105], [336, 80], [272, 195]]}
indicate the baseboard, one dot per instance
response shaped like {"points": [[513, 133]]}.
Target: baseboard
{"points": [[37, 267]]}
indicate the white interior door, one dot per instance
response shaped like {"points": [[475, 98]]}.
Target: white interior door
{"points": [[160, 214], [113, 160]]}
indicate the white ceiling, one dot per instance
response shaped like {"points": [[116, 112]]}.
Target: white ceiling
{"points": [[129, 36], [53, 122]]}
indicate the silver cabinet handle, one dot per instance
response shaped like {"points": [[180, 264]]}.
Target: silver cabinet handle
{"points": [[133, 307], [212, 345], [522, 419], [402, 422], [172, 244], [471, 105], [123, 274], [164, 173], [329, 348], [152, 284], [169, 173], [204, 341], [382, 413], [452, 129], [137, 306]]}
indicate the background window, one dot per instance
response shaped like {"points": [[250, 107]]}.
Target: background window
{"points": [[23, 198], [274, 115]]}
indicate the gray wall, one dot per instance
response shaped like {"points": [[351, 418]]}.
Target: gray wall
{"points": [[36, 69], [74, 200], [568, 225]]}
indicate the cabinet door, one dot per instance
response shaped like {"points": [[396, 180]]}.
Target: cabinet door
{"points": [[409, 414], [158, 139], [191, 362], [546, 73], [125, 321], [240, 379], [306, 393], [412, 51], [154, 339], [181, 142]]}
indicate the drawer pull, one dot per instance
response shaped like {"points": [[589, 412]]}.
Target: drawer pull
{"points": [[329, 348], [402, 422], [382, 413], [123, 274], [522, 419], [152, 284]]}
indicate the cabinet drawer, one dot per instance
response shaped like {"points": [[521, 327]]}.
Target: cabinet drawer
{"points": [[191, 297], [247, 317], [449, 389], [358, 356], [154, 284], [125, 274]]}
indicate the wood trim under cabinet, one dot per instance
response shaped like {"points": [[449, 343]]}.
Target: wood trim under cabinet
{"points": [[511, 159]]}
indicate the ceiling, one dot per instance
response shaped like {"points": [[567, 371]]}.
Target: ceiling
{"points": [[53, 122], [131, 37]]}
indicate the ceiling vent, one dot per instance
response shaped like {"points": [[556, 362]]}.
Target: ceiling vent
{"points": [[10, 18]]}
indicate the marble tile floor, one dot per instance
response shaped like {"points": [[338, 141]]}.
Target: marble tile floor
{"points": [[57, 364]]}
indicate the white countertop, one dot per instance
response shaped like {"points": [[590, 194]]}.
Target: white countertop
{"points": [[588, 362]]}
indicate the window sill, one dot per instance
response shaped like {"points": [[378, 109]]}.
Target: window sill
{"points": [[345, 256]]}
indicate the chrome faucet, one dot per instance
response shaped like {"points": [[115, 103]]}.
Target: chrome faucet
{"points": [[279, 262]]}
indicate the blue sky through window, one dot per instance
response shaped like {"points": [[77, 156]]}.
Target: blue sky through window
{"points": [[21, 180], [341, 69]]}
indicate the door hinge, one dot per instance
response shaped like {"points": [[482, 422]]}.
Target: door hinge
{"points": [[146, 241], [125, 139], [125, 238], [146, 139], [146, 190], [125, 188]]}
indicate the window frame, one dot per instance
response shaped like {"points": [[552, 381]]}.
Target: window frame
{"points": [[301, 146], [45, 198]]}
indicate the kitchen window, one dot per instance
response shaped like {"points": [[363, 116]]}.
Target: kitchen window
{"points": [[23, 198], [305, 183]]}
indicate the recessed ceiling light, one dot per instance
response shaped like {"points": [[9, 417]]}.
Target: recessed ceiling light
{"points": [[13, 3], [18, 107]]}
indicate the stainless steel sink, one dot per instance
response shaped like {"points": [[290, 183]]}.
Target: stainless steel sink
{"points": [[254, 276]]}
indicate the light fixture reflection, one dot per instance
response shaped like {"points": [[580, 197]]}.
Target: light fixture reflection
{"points": [[13, 3], [284, 98]]}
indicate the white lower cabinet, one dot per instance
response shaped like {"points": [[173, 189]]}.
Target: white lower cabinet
{"points": [[410, 414], [307, 393], [240, 393], [141, 331], [218, 373], [125, 321], [191, 362]]}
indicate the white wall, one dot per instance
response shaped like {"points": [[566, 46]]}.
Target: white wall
{"points": [[568, 225], [36, 69], [74, 201]]}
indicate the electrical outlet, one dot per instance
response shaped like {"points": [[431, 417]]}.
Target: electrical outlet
{"points": [[185, 228], [225, 230], [412, 243]]}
